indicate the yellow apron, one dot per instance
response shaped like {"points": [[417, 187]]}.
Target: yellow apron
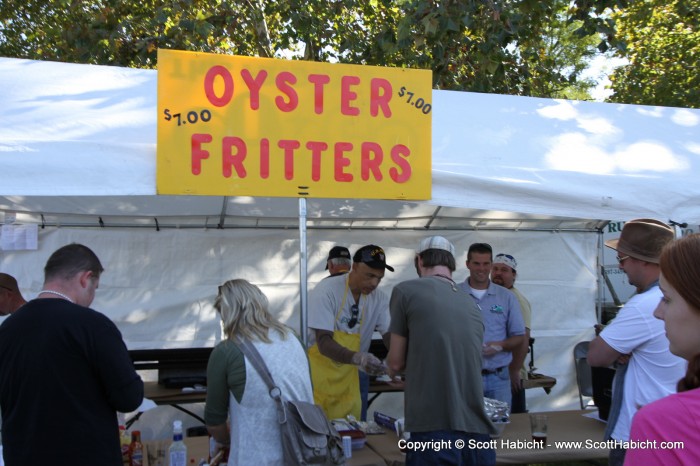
{"points": [[336, 385]]}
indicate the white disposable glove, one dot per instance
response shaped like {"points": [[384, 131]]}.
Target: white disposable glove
{"points": [[368, 363]]}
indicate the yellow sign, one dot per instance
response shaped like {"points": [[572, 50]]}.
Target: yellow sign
{"points": [[242, 126]]}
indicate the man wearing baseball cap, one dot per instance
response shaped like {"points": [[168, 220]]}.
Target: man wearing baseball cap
{"points": [[10, 297], [436, 336], [338, 261], [503, 272], [344, 312], [635, 339]]}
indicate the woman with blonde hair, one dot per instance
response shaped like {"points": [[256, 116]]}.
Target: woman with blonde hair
{"points": [[235, 390], [675, 418]]}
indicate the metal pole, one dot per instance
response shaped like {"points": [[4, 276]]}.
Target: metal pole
{"points": [[600, 277], [303, 271]]}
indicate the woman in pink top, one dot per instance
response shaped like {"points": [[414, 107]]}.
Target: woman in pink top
{"points": [[668, 430]]}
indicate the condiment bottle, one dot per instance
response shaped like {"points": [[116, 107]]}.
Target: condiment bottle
{"points": [[136, 449], [124, 441]]}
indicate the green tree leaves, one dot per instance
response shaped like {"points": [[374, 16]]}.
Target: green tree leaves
{"points": [[663, 49], [522, 47]]}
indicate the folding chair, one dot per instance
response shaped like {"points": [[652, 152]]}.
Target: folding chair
{"points": [[584, 378]]}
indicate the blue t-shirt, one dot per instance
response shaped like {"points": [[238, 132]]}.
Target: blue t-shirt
{"points": [[502, 317]]}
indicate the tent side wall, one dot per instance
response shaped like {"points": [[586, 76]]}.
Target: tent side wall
{"points": [[159, 286]]}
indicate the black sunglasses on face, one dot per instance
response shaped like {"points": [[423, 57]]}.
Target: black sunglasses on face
{"points": [[353, 317]]}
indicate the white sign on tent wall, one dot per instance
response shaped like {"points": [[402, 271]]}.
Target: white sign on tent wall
{"points": [[19, 237]]}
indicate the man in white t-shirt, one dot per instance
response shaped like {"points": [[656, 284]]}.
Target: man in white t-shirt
{"points": [[635, 337], [344, 312]]}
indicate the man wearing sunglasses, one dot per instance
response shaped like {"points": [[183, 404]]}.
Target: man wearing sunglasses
{"points": [[504, 329], [10, 297], [635, 340], [344, 312]]}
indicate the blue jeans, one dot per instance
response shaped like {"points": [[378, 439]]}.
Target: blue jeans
{"points": [[497, 386], [479, 455], [364, 392]]}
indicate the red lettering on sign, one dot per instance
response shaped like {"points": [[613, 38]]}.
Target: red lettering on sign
{"points": [[371, 156], [340, 161], [380, 96], [212, 74], [317, 148], [199, 154], [347, 95], [287, 100], [264, 158], [319, 80], [289, 146], [284, 82], [398, 155], [369, 159], [230, 158], [254, 85]]}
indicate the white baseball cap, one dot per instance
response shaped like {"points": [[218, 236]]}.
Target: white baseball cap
{"points": [[435, 242]]}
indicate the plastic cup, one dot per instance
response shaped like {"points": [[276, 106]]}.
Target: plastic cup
{"points": [[538, 428]]}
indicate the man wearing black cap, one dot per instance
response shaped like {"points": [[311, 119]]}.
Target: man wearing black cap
{"points": [[10, 297], [344, 312], [338, 261], [635, 338]]}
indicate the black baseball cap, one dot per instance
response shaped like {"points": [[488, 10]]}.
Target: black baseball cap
{"points": [[338, 252], [373, 256]]}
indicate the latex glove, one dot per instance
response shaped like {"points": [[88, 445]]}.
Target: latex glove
{"points": [[368, 363]]}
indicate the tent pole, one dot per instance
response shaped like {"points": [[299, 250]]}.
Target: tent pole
{"points": [[600, 298], [303, 271]]}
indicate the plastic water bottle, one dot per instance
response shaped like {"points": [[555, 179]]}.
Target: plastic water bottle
{"points": [[178, 449], [347, 446]]}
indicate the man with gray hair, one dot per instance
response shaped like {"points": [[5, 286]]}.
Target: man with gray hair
{"points": [[344, 313], [10, 297], [339, 261], [436, 337]]}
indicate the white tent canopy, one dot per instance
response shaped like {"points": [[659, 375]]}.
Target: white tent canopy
{"points": [[81, 130], [537, 178]]}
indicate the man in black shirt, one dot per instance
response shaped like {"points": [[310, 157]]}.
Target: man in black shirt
{"points": [[64, 371]]}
